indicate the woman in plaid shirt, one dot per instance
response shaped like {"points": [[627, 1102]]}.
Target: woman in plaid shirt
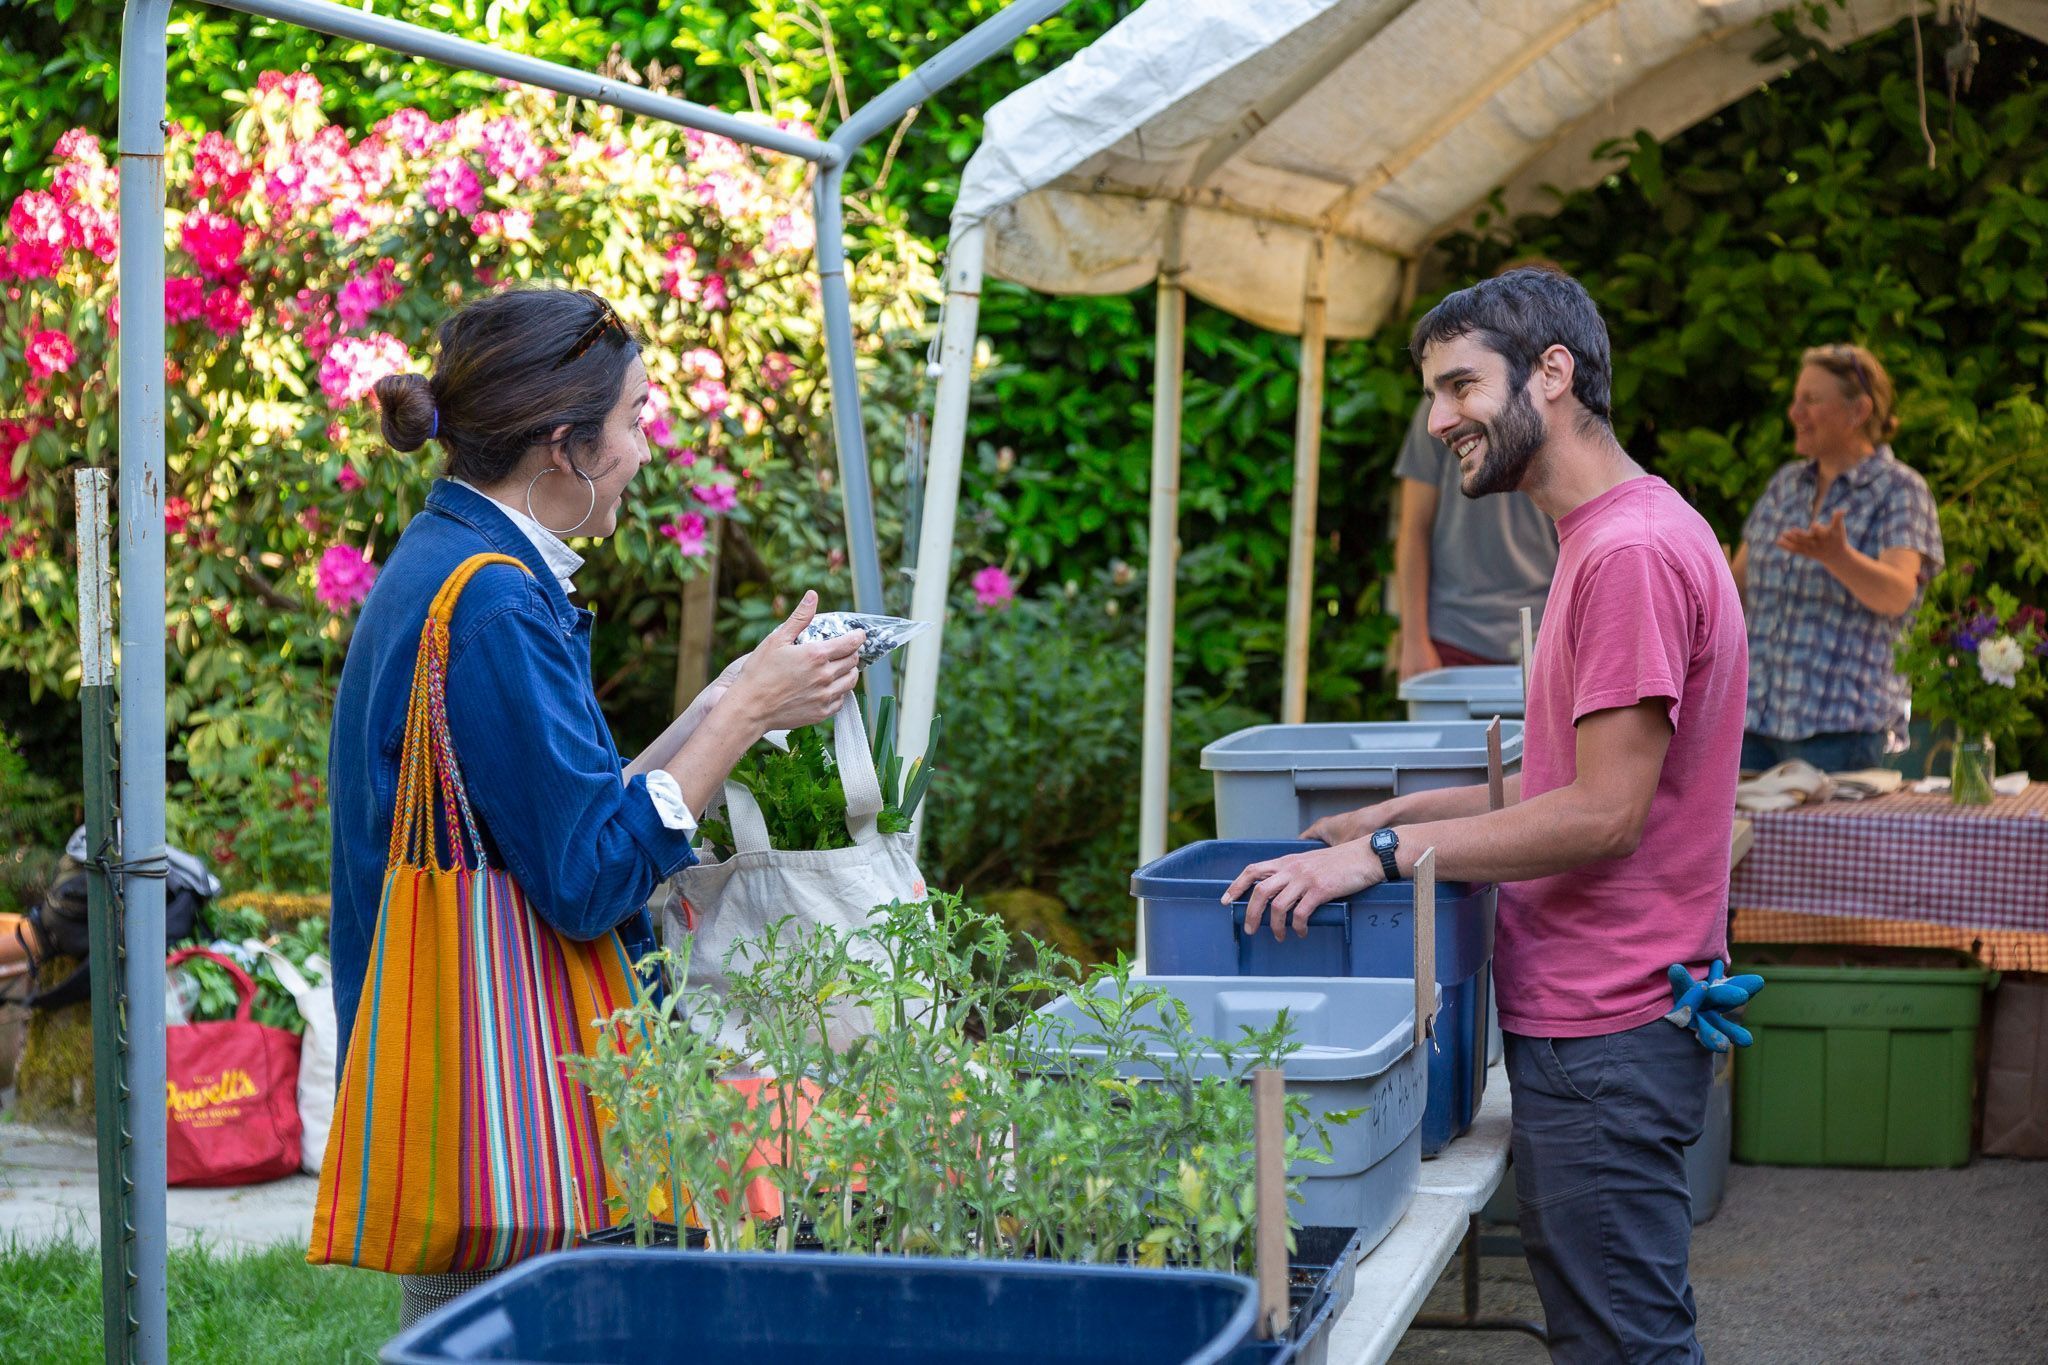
{"points": [[1833, 560]]}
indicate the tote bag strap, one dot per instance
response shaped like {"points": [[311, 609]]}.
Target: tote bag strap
{"points": [[245, 987], [856, 765], [428, 778]]}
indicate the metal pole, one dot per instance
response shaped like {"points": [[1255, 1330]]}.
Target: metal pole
{"points": [[398, 36], [1164, 554], [841, 369], [109, 1035], [849, 437], [143, 71], [1308, 451], [929, 589]]}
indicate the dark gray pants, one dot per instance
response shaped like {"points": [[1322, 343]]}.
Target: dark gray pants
{"points": [[1600, 1130]]}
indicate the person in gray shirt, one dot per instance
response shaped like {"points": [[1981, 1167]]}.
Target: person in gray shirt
{"points": [[1467, 566]]}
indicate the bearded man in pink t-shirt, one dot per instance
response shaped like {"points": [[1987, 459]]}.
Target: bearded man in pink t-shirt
{"points": [[1612, 852]]}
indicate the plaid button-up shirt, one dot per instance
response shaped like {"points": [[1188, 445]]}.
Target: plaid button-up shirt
{"points": [[1820, 662]]}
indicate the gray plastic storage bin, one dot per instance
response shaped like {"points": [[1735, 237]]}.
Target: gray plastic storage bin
{"points": [[1478, 692], [1357, 1037], [1274, 781]]}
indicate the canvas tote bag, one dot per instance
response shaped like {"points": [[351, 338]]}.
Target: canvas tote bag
{"points": [[715, 904]]}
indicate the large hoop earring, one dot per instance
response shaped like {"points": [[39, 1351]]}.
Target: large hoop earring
{"points": [[587, 512]]}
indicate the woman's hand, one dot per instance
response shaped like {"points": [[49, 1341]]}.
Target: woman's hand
{"points": [[1825, 543], [784, 685]]}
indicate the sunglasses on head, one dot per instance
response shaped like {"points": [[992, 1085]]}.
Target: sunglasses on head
{"points": [[606, 321]]}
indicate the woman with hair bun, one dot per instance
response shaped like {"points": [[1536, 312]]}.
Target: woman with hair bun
{"points": [[535, 401], [1833, 560]]}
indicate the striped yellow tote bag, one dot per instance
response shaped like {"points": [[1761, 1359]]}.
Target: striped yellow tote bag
{"points": [[460, 1142]]}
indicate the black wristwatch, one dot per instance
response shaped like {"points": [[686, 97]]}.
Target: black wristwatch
{"points": [[1386, 843]]}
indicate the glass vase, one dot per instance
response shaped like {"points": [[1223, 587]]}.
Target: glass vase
{"points": [[1969, 782]]}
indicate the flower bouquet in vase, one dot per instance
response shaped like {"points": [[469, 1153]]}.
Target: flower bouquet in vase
{"points": [[1978, 662]]}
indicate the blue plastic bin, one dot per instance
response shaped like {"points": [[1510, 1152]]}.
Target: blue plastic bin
{"points": [[604, 1307], [1188, 932], [1356, 1051]]}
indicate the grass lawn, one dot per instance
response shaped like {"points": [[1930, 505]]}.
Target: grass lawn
{"points": [[269, 1307]]}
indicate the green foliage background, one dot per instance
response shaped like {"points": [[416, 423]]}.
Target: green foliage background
{"points": [[1802, 214]]}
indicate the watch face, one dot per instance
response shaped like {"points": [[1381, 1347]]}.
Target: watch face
{"points": [[1382, 840]]}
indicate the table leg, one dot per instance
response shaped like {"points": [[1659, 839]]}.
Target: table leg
{"points": [[1473, 1320]]}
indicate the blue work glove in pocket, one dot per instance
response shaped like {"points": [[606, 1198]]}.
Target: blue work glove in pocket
{"points": [[1698, 1005]]}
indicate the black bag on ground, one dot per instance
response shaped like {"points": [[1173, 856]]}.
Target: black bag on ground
{"points": [[62, 928]]}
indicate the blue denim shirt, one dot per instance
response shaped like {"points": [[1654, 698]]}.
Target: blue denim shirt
{"points": [[1820, 662], [535, 752]]}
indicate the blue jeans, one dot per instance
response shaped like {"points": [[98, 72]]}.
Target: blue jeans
{"points": [[1831, 753], [1600, 1130]]}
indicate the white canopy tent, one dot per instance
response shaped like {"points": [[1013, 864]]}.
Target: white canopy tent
{"points": [[1290, 161]]}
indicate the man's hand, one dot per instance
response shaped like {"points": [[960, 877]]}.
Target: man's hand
{"points": [[1698, 1005], [1418, 654], [1351, 824], [1292, 888], [1828, 544]]}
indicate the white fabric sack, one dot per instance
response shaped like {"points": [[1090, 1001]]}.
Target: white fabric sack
{"points": [[714, 904], [317, 1049]]}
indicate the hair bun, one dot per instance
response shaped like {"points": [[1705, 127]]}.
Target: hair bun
{"points": [[405, 403]]}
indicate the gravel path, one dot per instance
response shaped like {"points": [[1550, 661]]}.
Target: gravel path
{"points": [[1805, 1265]]}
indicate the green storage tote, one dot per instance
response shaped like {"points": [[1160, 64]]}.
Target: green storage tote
{"points": [[1863, 1056]]}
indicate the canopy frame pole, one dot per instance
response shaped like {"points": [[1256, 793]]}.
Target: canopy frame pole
{"points": [[145, 72], [1163, 553], [960, 317], [1308, 451]]}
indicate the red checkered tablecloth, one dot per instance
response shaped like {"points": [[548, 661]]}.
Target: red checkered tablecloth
{"points": [[1904, 857]]}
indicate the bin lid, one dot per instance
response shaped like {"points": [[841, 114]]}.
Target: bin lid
{"points": [[1412, 744], [1472, 683], [1348, 1028]]}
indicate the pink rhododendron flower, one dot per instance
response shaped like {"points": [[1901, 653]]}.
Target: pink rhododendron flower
{"points": [[315, 171], [49, 353], [701, 363], [715, 296], [373, 163], [709, 397], [37, 221], [79, 144], [411, 129], [993, 587], [220, 173], [343, 578], [510, 151], [309, 518], [719, 497], [227, 312], [791, 232], [353, 365], [214, 241], [777, 369], [177, 513], [94, 229], [511, 225], [363, 295], [453, 187], [680, 278], [688, 532], [349, 480], [13, 436], [655, 419], [683, 458]]}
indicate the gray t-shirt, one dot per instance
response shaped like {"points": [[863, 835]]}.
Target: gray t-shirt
{"points": [[1488, 557]]}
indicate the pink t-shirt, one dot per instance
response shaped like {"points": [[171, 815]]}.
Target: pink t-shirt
{"points": [[1642, 606]]}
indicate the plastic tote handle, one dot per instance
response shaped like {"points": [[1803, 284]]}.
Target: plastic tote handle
{"points": [[1343, 779]]}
